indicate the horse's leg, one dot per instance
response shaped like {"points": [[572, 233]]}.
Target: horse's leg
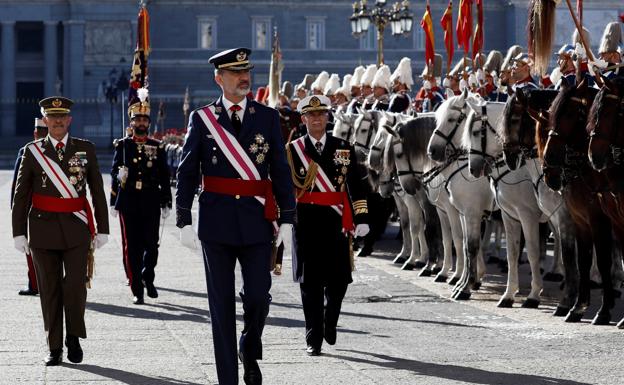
{"points": [[603, 242], [554, 274], [433, 233], [407, 237], [457, 233], [513, 230], [532, 233], [447, 240], [416, 227], [584, 253], [472, 229], [567, 234], [486, 240]]}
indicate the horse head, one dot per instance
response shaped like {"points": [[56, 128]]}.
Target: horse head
{"points": [[604, 126], [480, 138], [450, 118], [567, 140], [343, 126], [364, 128]]}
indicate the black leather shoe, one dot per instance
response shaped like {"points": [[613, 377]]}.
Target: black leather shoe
{"points": [[252, 375], [74, 351], [330, 335], [137, 300], [54, 358], [151, 289], [27, 291], [312, 351], [365, 251]]}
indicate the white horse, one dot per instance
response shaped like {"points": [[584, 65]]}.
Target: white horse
{"points": [[414, 252], [408, 152], [514, 194], [472, 197], [343, 126]]}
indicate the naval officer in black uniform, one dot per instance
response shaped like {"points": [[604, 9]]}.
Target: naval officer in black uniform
{"points": [[331, 210]]}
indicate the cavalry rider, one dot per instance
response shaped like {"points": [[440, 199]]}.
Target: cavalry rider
{"points": [[343, 94], [382, 85], [610, 46], [331, 87], [318, 86], [506, 80], [430, 95], [491, 69], [331, 210], [402, 79], [366, 86], [521, 72]]}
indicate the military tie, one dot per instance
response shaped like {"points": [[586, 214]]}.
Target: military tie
{"points": [[236, 122], [319, 147], [60, 150]]}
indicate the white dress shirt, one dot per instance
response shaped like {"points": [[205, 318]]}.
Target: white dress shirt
{"points": [[54, 141], [227, 104], [322, 140]]}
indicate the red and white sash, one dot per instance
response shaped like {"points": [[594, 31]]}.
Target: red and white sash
{"points": [[232, 149], [57, 176], [322, 181]]}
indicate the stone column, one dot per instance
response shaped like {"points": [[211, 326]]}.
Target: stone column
{"points": [[50, 58], [8, 90]]}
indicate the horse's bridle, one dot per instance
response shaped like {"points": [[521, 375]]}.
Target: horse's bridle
{"points": [[364, 146], [399, 154], [449, 138], [485, 126], [520, 146]]}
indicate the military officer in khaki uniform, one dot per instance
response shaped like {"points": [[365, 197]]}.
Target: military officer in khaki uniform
{"points": [[50, 203]]}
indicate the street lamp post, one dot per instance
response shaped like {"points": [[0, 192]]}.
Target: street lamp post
{"points": [[398, 16]]}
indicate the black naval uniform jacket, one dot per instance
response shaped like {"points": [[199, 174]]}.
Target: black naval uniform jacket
{"points": [[323, 250], [147, 184]]}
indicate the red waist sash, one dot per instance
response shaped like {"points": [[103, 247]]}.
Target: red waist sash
{"points": [[331, 199], [64, 205], [231, 186]]}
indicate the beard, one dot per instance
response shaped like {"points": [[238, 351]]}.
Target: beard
{"points": [[140, 130]]}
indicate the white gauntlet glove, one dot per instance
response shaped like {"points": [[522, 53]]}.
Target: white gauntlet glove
{"points": [[188, 238], [21, 244], [361, 230], [285, 236], [100, 240], [122, 175]]}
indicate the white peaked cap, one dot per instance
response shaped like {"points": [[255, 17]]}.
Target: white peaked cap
{"points": [[346, 86], [320, 82], [332, 85], [403, 73], [357, 76], [382, 78], [368, 75]]}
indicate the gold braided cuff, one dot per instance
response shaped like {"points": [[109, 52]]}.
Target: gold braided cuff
{"points": [[360, 207]]}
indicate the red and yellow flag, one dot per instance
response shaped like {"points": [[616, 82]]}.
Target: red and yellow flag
{"points": [[427, 25], [447, 25], [477, 42], [464, 25], [143, 36]]}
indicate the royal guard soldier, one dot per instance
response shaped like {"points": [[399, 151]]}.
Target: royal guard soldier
{"points": [[366, 87], [343, 94], [452, 82], [356, 90], [302, 89], [565, 71], [141, 195], [40, 132], [50, 204], [491, 69], [382, 85], [609, 51], [235, 147], [318, 86], [402, 79], [506, 80], [331, 208], [521, 72], [430, 95], [332, 85]]}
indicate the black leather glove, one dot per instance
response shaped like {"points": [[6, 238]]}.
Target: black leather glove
{"points": [[183, 217]]}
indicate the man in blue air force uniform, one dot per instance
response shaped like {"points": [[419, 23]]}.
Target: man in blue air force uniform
{"points": [[233, 224]]}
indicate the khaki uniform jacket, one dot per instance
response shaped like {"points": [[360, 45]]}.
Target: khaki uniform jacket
{"points": [[58, 231]]}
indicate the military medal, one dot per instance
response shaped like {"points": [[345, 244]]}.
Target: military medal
{"points": [[302, 170], [259, 158], [73, 180], [138, 185], [44, 179], [214, 160], [149, 163], [135, 160]]}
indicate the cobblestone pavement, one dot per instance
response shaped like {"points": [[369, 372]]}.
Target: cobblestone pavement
{"points": [[396, 328]]}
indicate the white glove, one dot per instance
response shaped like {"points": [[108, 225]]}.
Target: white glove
{"points": [[480, 76], [599, 63], [188, 238], [285, 236], [427, 85], [555, 75], [580, 51], [21, 244], [122, 175], [114, 212], [164, 212], [361, 230], [100, 240]]}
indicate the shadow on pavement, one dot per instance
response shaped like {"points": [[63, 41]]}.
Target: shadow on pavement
{"points": [[142, 311], [128, 377], [184, 292], [452, 372]]}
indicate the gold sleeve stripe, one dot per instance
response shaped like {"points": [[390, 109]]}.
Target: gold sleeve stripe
{"points": [[361, 211]]}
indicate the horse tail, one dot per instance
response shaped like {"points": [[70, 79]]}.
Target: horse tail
{"points": [[540, 33]]}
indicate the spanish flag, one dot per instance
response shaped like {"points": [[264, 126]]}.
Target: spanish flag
{"points": [[464, 25], [447, 25], [427, 26]]}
